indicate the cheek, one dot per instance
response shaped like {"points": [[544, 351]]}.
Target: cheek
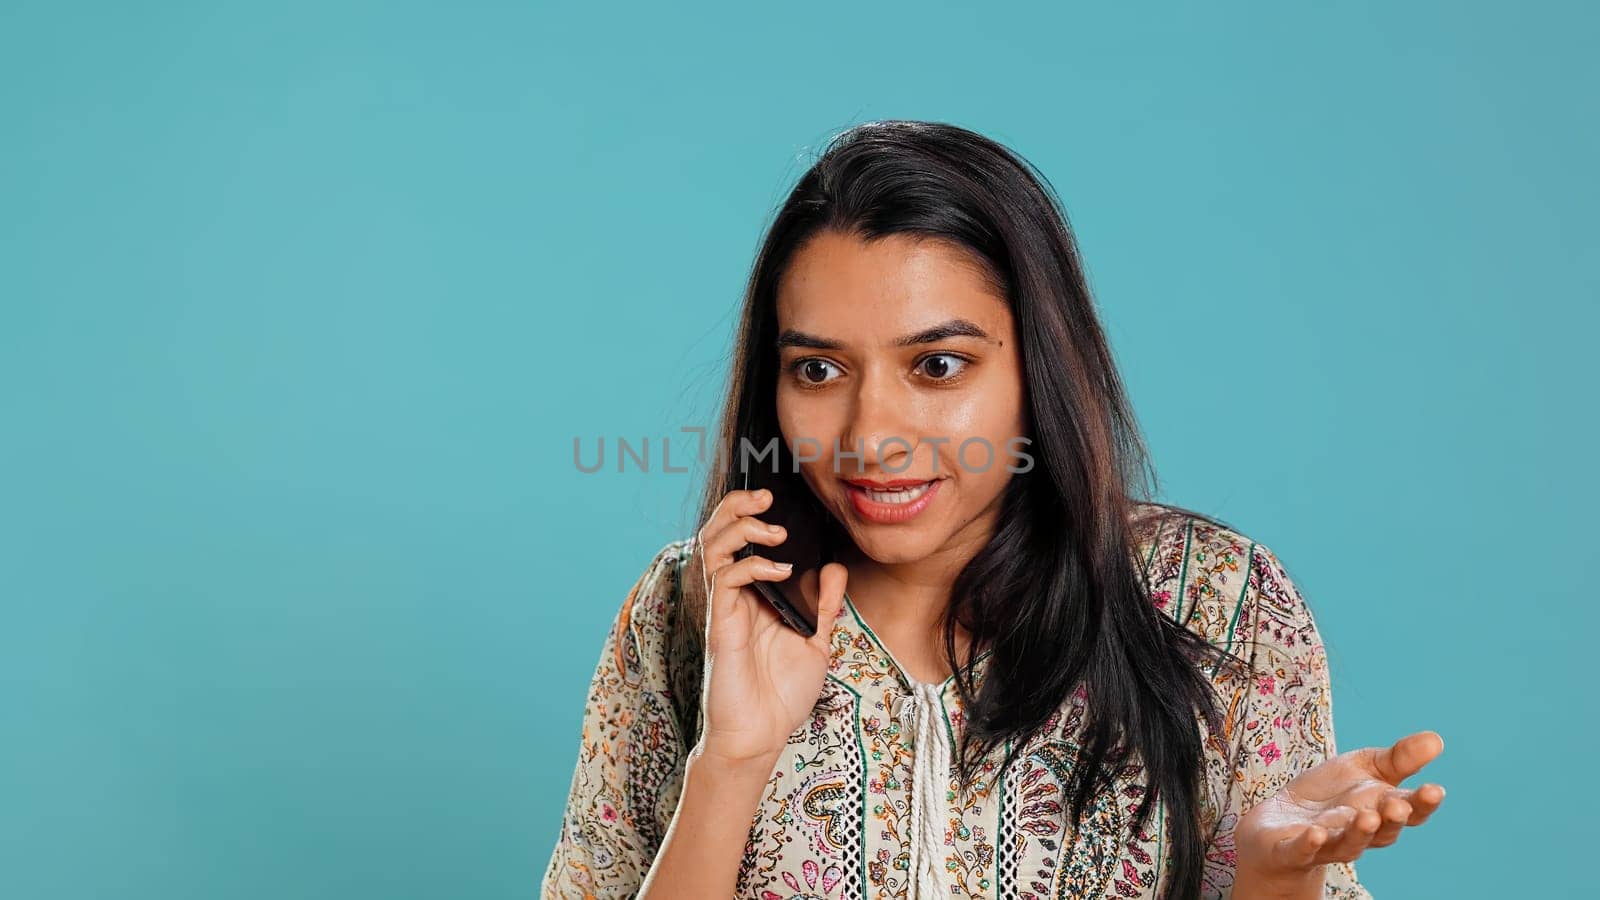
{"points": [[812, 423], [994, 419], [988, 431]]}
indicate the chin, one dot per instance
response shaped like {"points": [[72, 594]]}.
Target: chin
{"points": [[885, 544]]}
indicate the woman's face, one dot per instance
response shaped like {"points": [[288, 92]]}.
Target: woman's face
{"points": [[898, 350]]}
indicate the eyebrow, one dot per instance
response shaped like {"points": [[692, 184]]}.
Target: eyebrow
{"points": [[942, 331]]}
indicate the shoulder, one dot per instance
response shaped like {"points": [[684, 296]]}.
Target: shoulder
{"points": [[650, 600], [1212, 576], [622, 793], [641, 629], [630, 695]]}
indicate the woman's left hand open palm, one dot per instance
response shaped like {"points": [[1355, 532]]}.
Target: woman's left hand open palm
{"points": [[1336, 810]]}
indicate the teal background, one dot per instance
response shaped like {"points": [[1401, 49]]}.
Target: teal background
{"points": [[302, 305]]}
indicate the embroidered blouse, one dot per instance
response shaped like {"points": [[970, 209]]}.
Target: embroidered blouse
{"points": [[863, 802]]}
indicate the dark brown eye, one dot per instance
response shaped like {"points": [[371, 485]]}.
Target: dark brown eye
{"points": [[812, 372], [942, 366]]}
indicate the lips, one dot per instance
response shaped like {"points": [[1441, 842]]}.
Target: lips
{"points": [[894, 501]]}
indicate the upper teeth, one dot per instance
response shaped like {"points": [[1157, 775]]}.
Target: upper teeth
{"points": [[901, 495]]}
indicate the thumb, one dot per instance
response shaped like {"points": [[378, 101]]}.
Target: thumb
{"points": [[1405, 757], [830, 603]]}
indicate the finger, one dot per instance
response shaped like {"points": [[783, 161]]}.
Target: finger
{"points": [[1424, 800], [1336, 818], [726, 582], [1405, 757], [717, 544], [1350, 840], [749, 530], [1300, 850], [733, 506], [1396, 813], [830, 603]]}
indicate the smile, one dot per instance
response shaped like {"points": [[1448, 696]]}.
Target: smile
{"points": [[892, 506]]}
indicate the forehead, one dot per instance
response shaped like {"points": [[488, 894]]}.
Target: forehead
{"points": [[840, 284]]}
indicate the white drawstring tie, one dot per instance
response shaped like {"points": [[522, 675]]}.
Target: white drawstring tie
{"points": [[930, 776]]}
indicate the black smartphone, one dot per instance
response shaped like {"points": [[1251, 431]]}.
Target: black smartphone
{"points": [[806, 545]]}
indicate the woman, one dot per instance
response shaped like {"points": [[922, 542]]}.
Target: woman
{"points": [[1040, 683]]}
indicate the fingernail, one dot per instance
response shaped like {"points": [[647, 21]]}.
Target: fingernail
{"points": [[774, 528], [784, 566]]}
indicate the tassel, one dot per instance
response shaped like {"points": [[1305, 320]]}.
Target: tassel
{"points": [[930, 776]]}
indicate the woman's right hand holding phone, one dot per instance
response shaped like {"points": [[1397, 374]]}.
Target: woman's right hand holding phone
{"points": [[762, 677]]}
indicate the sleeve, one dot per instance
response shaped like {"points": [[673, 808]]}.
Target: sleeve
{"points": [[1283, 724], [624, 787]]}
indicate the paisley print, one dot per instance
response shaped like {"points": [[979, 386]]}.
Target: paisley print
{"points": [[834, 820], [1069, 867]]}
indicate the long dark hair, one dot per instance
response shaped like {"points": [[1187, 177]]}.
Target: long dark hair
{"points": [[1057, 593]]}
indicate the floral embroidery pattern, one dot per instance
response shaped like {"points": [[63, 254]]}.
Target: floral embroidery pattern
{"points": [[832, 821]]}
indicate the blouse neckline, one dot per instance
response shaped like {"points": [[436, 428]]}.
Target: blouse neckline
{"points": [[910, 682]]}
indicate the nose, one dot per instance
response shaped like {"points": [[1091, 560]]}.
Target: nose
{"points": [[879, 427]]}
